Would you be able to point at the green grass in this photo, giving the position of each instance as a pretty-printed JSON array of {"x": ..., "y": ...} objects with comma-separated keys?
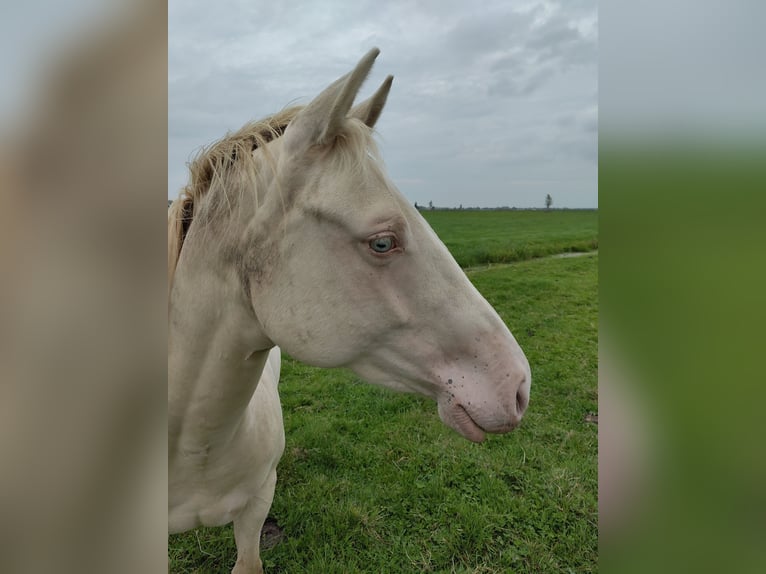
[
  {"x": 372, "y": 481},
  {"x": 484, "y": 237}
]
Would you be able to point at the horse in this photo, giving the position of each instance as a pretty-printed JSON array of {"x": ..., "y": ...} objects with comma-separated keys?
[{"x": 290, "y": 235}]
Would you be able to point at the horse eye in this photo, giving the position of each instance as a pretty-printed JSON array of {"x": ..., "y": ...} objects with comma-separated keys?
[{"x": 382, "y": 244}]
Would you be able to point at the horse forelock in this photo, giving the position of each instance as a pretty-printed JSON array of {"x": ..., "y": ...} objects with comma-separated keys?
[{"x": 352, "y": 144}]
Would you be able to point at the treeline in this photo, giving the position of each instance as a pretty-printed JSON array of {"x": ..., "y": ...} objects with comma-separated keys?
[{"x": 503, "y": 208}]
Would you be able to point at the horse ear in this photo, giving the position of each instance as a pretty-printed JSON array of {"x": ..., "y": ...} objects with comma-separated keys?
[
  {"x": 320, "y": 121},
  {"x": 369, "y": 110}
]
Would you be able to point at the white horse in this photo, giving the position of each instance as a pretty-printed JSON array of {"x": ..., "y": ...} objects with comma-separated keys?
[{"x": 291, "y": 235}]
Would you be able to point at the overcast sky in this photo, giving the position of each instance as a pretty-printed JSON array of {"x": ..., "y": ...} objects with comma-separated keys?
[{"x": 493, "y": 103}]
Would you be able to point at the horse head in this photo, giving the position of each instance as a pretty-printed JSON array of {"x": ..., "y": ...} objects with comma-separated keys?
[{"x": 341, "y": 271}]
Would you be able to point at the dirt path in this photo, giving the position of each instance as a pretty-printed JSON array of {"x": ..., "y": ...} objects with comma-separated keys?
[{"x": 566, "y": 255}]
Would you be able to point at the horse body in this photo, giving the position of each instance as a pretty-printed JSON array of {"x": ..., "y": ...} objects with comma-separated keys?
[{"x": 300, "y": 241}]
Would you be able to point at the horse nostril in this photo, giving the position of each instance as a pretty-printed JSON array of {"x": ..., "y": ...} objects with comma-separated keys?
[{"x": 521, "y": 402}]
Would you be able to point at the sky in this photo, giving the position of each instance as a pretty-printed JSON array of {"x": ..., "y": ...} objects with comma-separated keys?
[{"x": 493, "y": 103}]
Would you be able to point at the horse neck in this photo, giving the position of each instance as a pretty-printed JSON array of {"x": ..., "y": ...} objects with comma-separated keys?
[{"x": 216, "y": 350}]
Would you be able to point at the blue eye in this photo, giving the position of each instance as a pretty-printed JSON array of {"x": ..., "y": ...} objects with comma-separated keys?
[{"x": 382, "y": 244}]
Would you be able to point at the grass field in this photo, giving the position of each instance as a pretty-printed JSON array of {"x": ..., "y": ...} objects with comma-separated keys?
[
  {"x": 372, "y": 481},
  {"x": 483, "y": 237}
]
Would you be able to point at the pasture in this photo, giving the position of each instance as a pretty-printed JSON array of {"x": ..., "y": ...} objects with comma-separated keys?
[
  {"x": 487, "y": 237},
  {"x": 372, "y": 481}
]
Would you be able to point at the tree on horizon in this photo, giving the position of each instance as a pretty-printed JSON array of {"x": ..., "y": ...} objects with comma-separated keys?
[{"x": 548, "y": 201}]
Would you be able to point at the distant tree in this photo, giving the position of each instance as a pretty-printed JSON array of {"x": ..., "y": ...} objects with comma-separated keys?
[
  {"x": 416, "y": 205},
  {"x": 430, "y": 205},
  {"x": 548, "y": 201},
  {"x": 461, "y": 206}
]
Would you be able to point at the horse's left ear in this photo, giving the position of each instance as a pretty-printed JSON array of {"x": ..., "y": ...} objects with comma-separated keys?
[
  {"x": 320, "y": 122},
  {"x": 369, "y": 110}
]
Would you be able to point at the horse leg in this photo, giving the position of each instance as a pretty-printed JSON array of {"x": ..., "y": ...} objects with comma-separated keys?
[{"x": 247, "y": 529}]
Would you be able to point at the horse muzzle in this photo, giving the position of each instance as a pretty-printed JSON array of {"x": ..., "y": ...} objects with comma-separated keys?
[{"x": 473, "y": 415}]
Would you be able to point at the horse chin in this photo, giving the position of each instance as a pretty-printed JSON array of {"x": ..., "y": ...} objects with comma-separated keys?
[{"x": 456, "y": 417}]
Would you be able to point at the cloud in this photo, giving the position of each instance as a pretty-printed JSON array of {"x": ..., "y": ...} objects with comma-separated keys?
[{"x": 476, "y": 90}]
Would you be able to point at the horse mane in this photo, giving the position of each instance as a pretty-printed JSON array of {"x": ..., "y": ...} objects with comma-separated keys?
[{"x": 212, "y": 168}]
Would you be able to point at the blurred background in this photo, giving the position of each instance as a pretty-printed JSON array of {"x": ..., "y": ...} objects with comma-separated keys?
[
  {"x": 83, "y": 166},
  {"x": 682, "y": 154},
  {"x": 83, "y": 161}
]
